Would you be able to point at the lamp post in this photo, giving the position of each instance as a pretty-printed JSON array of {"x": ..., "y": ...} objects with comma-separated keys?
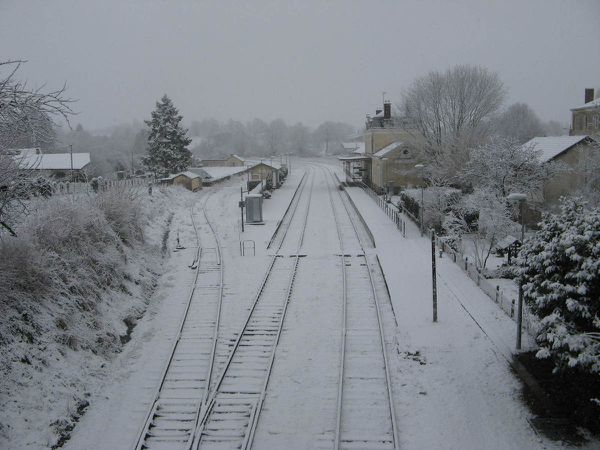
[
  {"x": 422, "y": 167},
  {"x": 383, "y": 167},
  {"x": 519, "y": 198}
]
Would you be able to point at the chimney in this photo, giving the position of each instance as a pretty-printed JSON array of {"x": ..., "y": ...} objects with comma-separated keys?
[
  {"x": 589, "y": 95},
  {"x": 387, "y": 110}
]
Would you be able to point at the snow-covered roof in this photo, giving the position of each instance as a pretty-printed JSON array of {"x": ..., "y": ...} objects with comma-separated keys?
[
  {"x": 354, "y": 147},
  {"x": 352, "y": 157},
  {"x": 589, "y": 105},
  {"x": 200, "y": 171},
  {"x": 238, "y": 157},
  {"x": 388, "y": 149},
  {"x": 53, "y": 161},
  {"x": 190, "y": 175},
  {"x": 552, "y": 146},
  {"x": 222, "y": 172},
  {"x": 507, "y": 242},
  {"x": 267, "y": 162}
]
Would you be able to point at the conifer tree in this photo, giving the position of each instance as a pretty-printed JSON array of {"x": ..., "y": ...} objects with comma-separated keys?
[{"x": 167, "y": 140}]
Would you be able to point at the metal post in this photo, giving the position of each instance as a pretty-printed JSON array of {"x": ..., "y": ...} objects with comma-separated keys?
[
  {"x": 242, "y": 206},
  {"x": 71, "y": 152},
  {"x": 520, "y": 304},
  {"x": 433, "y": 276},
  {"x": 422, "y": 196}
]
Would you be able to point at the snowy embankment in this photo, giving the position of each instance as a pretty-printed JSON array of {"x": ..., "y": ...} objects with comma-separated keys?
[{"x": 72, "y": 286}]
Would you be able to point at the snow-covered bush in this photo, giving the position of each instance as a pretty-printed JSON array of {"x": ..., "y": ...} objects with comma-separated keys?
[
  {"x": 483, "y": 220},
  {"x": 122, "y": 208},
  {"x": 560, "y": 269}
]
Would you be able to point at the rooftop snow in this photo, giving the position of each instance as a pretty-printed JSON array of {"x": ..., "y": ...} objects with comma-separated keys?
[
  {"x": 200, "y": 171},
  {"x": 386, "y": 150},
  {"x": 53, "y": 161},
  {"x": 217, "y": 173},
  {"x": 354, "y": 147},
  {"x": 552, "y": 146},
  {"x": 593, "y": 104}
]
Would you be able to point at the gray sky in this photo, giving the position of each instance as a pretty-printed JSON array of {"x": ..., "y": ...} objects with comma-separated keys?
[{"x": 303, "y": 60}]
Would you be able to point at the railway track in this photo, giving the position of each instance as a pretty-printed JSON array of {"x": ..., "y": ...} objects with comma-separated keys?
[
  {"x": 186, "y": 378},
  {"x": 230, "y": 416},
  {"x": 366, "y": 416}
]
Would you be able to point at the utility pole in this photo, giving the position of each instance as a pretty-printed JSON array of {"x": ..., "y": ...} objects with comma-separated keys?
[
  {"x": 71, "y": 152},
  {"x": 519, "y": 198},
  {"x": 242, "y": 206},
  {"x": 433, "y": 276}
]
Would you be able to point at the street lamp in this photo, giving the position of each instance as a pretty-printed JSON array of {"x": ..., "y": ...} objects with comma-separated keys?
[
  {"x": 383, "y": 167},
  {"x": 422, "y": 167},
  {"x": 519, "y": 198}
]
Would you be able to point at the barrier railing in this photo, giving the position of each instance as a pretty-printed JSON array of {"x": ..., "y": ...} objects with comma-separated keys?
[{"x": 66, "y": 187}]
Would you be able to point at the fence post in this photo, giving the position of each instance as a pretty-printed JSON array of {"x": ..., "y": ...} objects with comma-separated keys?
[
  {"x": 497, "y": 292},
  {"x": 466, "y": 263},
  {"x": 512, "y": 308}
]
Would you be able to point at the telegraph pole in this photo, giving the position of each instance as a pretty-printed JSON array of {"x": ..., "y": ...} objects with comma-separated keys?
[
  {"x": 71, "y": 152},
  {"x": 433, "y": 276},
  {"x": 242, "y": 206}
]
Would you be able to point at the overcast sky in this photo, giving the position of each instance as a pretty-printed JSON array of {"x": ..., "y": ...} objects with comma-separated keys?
[{"x": 300, "y": 60}]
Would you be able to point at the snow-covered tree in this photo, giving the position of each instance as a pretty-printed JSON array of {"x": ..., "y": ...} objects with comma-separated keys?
[
  {"x": 479, "y": 220},
  {"x": 560, "y": 271},
  {"x": 167, "y": 140},
  {"x": 589, "y": 169},
  {"x": 503, "y": 166}
]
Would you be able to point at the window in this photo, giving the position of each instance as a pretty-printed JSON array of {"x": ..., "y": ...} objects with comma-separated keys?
[{"x": 597, "y": 121}]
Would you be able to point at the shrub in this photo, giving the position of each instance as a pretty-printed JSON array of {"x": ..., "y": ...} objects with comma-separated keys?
[
  {"x": 122, "y": 209},
  {"x": 560, "y": 271}
]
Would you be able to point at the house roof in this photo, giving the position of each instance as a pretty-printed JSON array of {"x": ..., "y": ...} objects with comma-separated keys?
[
  {"x": 238, "y": 157},
  {"x": 388, "y": 149},
  {"x": 53, "y": 161},
  {"x": 589, "y": 105},
  {"x": 267, "y": 162},
  {"x": 353, "y": 158},
  {"x": 190, "y": 175},
  {"x": 552, "y": 146},
  {"x": 354, "y": 147},
  {"x": 200, "y": 171}
]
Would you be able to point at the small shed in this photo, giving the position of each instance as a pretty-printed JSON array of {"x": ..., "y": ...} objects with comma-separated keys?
[
  {"x": 507, "y": 246},
  {"x": 188, "y": 180},
  {"x": 254, "y": 208}
]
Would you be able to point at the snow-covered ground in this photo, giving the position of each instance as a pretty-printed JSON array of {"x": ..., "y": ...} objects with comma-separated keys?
[{"x": 452, "y": 382}]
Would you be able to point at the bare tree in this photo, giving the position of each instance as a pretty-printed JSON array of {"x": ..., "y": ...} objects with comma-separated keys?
[
  {"x": 24, "y": 113},
  {"x": 451, "y": 109},
  {"x": 520, "y": 123}
]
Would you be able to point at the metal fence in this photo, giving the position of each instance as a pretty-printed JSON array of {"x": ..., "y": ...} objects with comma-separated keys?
[
  {"x": 66, "y": 187},
  {"x": 507, "y": 302}
]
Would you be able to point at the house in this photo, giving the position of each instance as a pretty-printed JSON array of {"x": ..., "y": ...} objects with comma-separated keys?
[
  {"x": 585, "y": 119},
  {"x": 230, "y": 161},
  {"x": 264, "y": 171},
  {"x": 188, "y": 180},
  {"x": 571, "y": 151},
  {"x": 393, "y": 150},
  {"x": 53, "y": 165}
]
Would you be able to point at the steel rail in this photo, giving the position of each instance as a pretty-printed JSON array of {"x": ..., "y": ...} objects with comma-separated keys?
[
  {"x": 217, "y": 323},
  {"x": 344, "y": 333},
  {"x": 209, "y": 405},
  {"x": 141, "y": 436},
  {"x": 249, "y": 437}
]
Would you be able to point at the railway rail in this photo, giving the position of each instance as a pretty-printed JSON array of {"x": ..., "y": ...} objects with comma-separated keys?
[
  {"x": 230, "y": 416},
  {"x": 366, "y": 415},
  {"x": 186, "y": 378}
]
